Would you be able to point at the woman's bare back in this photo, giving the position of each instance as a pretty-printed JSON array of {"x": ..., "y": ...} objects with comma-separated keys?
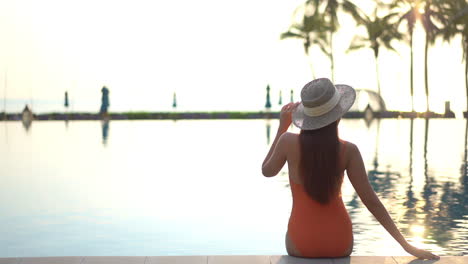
[{"x": 294, "y": 152}]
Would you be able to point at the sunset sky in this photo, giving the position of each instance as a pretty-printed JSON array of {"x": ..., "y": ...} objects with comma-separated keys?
[{"x": 217, "y": 55}]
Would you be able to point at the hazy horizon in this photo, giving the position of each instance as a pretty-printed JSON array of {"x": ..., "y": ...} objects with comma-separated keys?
[{"x": 215, "y": 55}]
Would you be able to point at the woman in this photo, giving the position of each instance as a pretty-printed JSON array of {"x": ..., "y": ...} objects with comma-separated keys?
[{"x": 319, "y": 225}]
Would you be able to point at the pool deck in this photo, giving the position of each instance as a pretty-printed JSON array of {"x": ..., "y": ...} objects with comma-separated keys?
[{"x": 276, "y": 259}]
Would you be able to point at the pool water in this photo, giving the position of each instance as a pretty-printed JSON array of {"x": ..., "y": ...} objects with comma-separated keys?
[{"x": 195, "y": 187}]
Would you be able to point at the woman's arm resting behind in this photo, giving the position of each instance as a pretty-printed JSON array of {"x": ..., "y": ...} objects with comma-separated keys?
[{"x": 358, "y": 176}]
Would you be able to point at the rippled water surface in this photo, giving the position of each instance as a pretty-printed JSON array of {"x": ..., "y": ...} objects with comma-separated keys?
[{"x": 195, "y": 187}]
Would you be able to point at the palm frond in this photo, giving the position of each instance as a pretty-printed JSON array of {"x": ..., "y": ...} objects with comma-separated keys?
[
  {"x": 354, "y": 47},
  {"x": 323, "y": 45},
  {"x": 289, "y": 34},
  {"x": 454, "y": 19},
  {"x": 387, "y": 18},
  {"x": 354, "y": 11},
  {"x": 410, "y": 18},
  {"x": 358, "y": 42}
]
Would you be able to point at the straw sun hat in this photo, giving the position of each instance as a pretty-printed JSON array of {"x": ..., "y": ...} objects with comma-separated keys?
[{"x": 322, "y": 103}]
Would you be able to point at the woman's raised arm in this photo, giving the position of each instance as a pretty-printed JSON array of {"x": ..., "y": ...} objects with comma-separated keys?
[
  {"x": 358, "y": 176},
  {"x": 276, "y": 157}
]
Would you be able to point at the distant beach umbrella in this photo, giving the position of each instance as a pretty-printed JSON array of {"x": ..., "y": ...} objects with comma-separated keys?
[
  {"x": 268, "y": 103},
  {"x": 292, "y": 95},
  {"x": 66, "y": 100},
  {"x": 104, "y": 100},
  {"x": 174, "y": 100},
  {"x": 280, "y": 102}
]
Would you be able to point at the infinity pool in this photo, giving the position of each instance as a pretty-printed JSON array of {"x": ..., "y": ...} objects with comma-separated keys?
[{"x": 87, "y": 188}]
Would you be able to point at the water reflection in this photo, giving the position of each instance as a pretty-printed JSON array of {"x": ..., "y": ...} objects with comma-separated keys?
[
  {"x": 424, "y": 190},
  {"x": 454, "y": 205},
  {"x": 464, "y": 162},
  {"x": 411, "y": 150},
  {"x": 411, "y": 200},
  {"x": 431, "y": 209},
  {"x": 105, "y": 131},
  {"x": 381, "y": 181},
  {"x": 268, "y": 132},
  {"x": 443, "y": 209},
  {"x": 26, "y": 124},
  {"x": 6, "y": 132}
]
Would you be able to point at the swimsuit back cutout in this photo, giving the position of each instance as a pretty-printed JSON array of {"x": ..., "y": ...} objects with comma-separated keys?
[{"x": 319, "y": 230}]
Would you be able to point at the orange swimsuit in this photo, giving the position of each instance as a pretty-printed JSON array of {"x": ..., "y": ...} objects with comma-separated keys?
[{"x": 319, "y": 230}]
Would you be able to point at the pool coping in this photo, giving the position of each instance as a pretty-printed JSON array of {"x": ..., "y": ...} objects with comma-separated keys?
[{"x": 229, "y": 259}]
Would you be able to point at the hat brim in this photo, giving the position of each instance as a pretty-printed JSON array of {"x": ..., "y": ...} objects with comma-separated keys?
[{"x": 305, "y": 122}]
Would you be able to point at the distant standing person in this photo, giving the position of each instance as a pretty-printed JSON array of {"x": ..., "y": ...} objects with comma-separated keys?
[
  {"x": 319, "y": 225},
  {"x": 104, "y": 101}
]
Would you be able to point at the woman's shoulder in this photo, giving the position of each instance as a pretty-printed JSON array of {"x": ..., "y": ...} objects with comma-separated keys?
[
  {"x": 349, "y": 148},
  {"x": 289, "y": 136},
  {"x": 348, "y": 144},
  {"x": 289, "y": 139}
]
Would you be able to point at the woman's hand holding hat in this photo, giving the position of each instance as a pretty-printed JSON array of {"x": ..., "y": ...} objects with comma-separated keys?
[{"x": 286, "y": 115}]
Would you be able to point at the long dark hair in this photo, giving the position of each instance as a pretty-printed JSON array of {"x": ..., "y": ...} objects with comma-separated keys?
[{"x": 319, "y": 162}]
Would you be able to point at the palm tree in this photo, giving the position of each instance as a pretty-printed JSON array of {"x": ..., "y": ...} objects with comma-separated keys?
[
  {"x": 312, "y": 30},
  {"x": 455, "y": 21},
  {"x": 428, "y": 18},
  {"x": 319, "y": 27},
  {"x": 330, "y": 15},
  {"x": 380, "y": 32},
  {"x": 409, "y": 16}
]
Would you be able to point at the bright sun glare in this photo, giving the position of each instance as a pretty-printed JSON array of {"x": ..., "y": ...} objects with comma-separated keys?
[{"x": 417, "y": 230}]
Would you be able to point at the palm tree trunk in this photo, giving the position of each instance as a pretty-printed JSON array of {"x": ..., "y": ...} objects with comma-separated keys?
[
  {"x": 331, "y": 58},
  {"x": 310, "y": 63},
  {"x": 307, "y": 52},
  {"x": 426, "y": 83},
  {"x": 411, "y": 73},
  {"x": 377, "y": 75},
  {"x": 312, "y": 69}
]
